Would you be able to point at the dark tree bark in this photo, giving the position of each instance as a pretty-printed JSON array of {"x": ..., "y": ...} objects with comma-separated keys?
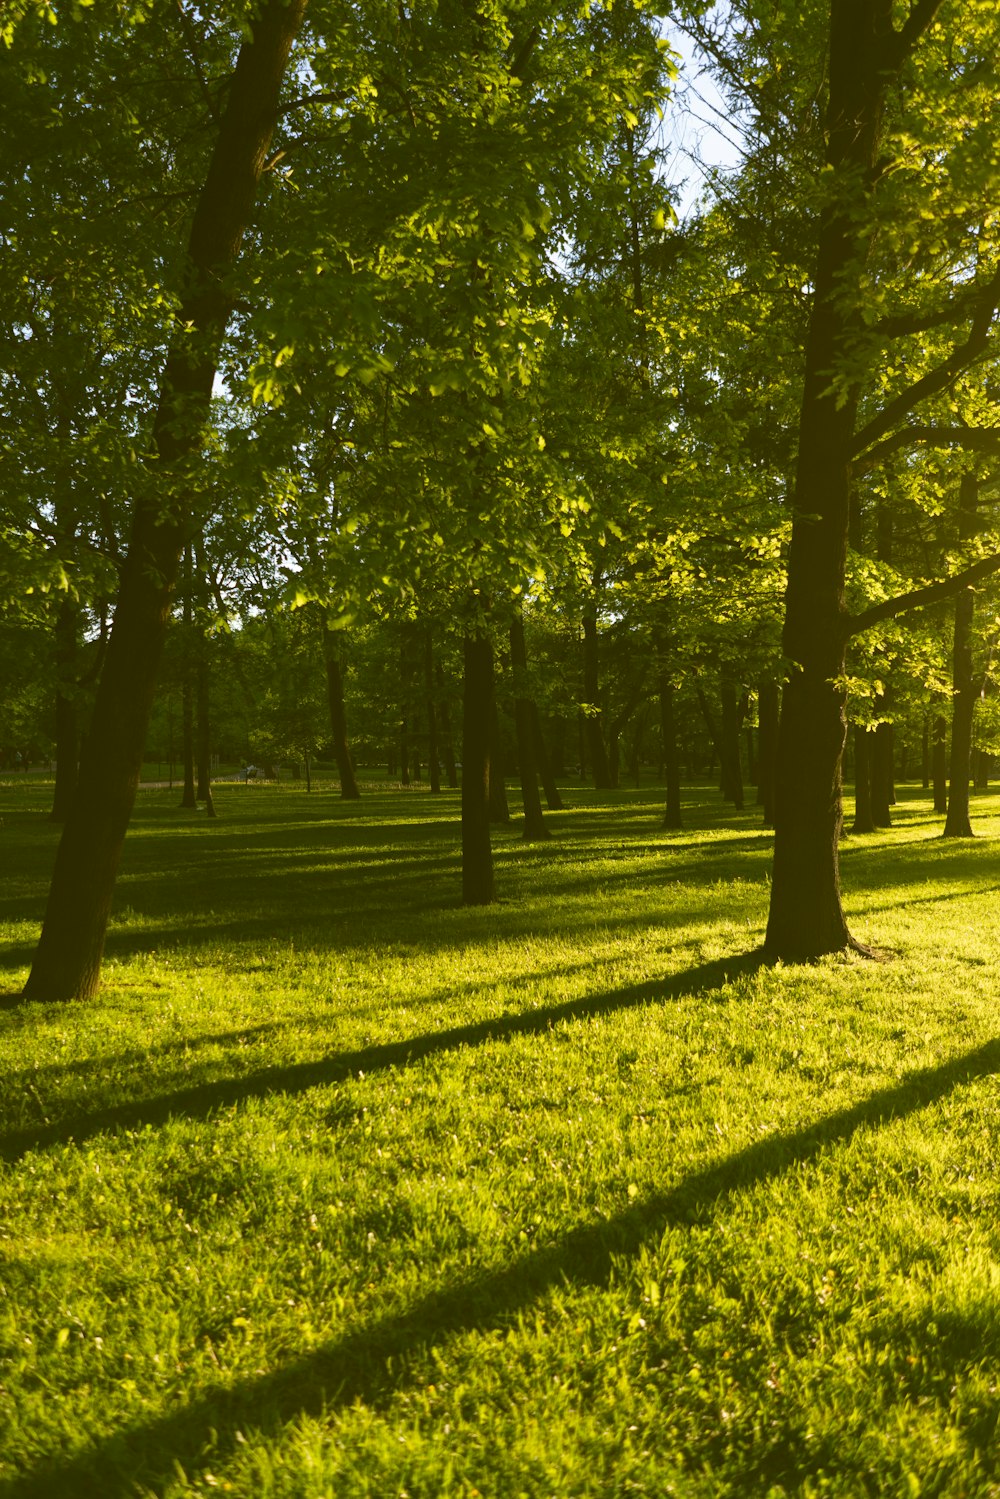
[
  {"x": 925, "y": 756},
  {"x": 958, "y": 823},
  {"x": 433, "y": 760},
  {"x": 477, "y": 708},
  {"x": 939, "y": 764},
  {"x": 67, "y": 712},
  {"x": 806, "y": 918},
  {"x": 68, "y": 960},
  {"x": 672, "y": 817},
  {"x": 593, "y": 720},
  {"x": 767, "y": 713},
  {"x": 524, "y": 723},
  {"x": 864, "y": 820},
  {"x": 349, "y": 789}
]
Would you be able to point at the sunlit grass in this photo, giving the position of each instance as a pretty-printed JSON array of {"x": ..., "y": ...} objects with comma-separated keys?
[{"x": 340, "y": 1189}]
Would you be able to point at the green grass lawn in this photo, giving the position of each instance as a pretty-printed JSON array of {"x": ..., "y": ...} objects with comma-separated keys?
[{"x": 339, "y": 1189}]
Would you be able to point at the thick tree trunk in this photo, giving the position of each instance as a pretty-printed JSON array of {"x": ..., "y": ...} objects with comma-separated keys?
[
  {"x": 767, "y": 713},
  {"x": 939, "y": 764},
  {"x": 593, "y": 719},
  {"x": 672, "y": 817},
  {"x": 477, "y": 708},
  {"x": 524, "y": 723},
  {"x": 864, "y": 820},
  {"x": 68, "y": 960},
  {"x": 349, "y": 789},
  {"x": 806, "y": 918},
  {"x": 67, "y": 713}
]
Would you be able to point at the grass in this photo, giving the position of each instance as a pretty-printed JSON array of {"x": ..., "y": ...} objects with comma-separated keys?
[{"x": 339, "y": 1189}]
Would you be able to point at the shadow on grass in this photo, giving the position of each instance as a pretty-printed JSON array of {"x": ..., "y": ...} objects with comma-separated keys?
[
  {"x": 370, "y": 1364},
  {"x": 201, "y": 1099}
]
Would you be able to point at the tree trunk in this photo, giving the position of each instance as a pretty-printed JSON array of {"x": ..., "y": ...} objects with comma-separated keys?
[
  {"x": 477, "y": 705},
  {"x": 593, "y": 719},
  {"x": 68, "y": 960},
  {"x": 925, "y": 756},
  {"x": 671, "y": 761},
  {"x": 349, "y": 789},
  {"x": 939, "y": 764},
  {"x": 806, "y": 918},
  {"x": 729, "y": 747},
  {"x": 67, "y": 713},
  {"x": 524, "y": 723},
  {"x": 767, "y": 713},
  {"x": 864, "y": 820}
]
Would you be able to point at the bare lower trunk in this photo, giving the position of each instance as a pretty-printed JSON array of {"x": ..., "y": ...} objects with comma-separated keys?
[
  {"x": 593, "y": 720},
  {"x": 204, "y": 737},
  {"x": 939, "y": 764}
]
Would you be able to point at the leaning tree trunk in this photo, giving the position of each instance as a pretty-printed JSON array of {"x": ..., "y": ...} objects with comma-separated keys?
[
  {"x": 958, "y": 823},
  {"x": 349, "y": 789},
  {"x": 68, "y": 960},
  {"x": 477, "y": 707},
  {"x": 671, "y": 761},
  {"x": 524, "y": 723}
]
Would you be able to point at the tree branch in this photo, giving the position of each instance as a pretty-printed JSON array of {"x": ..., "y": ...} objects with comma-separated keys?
[
  {"x": 919, "y": 598},
  {"x": 972, "y": 439}
]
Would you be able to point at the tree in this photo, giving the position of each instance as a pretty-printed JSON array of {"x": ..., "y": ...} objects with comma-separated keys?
[{"x": 68, "y": 960}]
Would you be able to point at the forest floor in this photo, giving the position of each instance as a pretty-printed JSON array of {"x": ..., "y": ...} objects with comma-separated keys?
[{"x": 339, "y": 1189}]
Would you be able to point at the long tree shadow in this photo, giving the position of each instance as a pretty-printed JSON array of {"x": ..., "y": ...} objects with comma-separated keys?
[
  {"x": 202, "y": 1099},
  {"x": 370, "y": 1363}
]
